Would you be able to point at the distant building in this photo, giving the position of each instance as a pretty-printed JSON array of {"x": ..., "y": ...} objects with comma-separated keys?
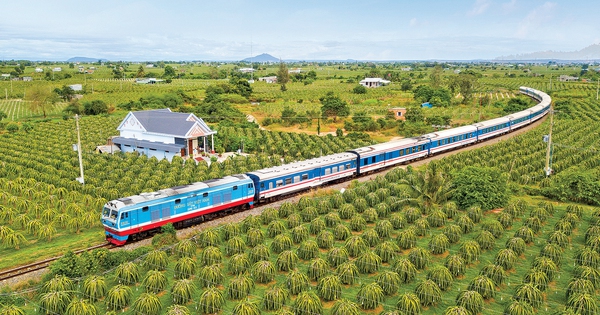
[
  {"x": 295, "y": 70},
  {"x": 399, "y": 113},
  {"x": 164, "y": 134},
  {"x": 39, "y": 70},
  {"x": 457, "y": 71},
  {"x": 272, "y": 79},
  {"x": 426, "y": 105},
  {"x": 57, "y": 69},
  {"x": 149, "y": 65},
  {"x": 406, "y": 69},
  {"x": 76, "y": 87},
  {"x": 5, "y": 76},
  {"x": 27, "y": 79},
  {"x": 374, "y": 82},
  {"x": 246, "y": 70},
  {"x": 567, "y": 78},
  {"x": 148, "y": 81}
]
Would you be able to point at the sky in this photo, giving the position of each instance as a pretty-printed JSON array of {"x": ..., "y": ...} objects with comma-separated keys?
[{"x": 230, "y": 30}]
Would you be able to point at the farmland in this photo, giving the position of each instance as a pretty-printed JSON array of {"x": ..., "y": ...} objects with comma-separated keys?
[{"x": 41, "y": 202}]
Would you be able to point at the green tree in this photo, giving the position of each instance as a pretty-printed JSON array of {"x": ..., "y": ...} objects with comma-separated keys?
[
  {"x": 415, "y": 114},
  {"x": 283, "y": 75},
  {"x": 140, "y": 73},
  {"x": 334, "y": 106},
  {"x": 41, "y": 99},
  {"x": 359, "y": 89},
  {"x": 435, "y": 77},
  {"x": 95, "y": 107},
  {"x": 169, "y": 72},
  {"x": 482, "y": 186}
]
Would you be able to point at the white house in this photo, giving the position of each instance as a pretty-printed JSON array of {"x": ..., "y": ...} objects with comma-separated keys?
[
  {"x": 567, "y": 78},
  {"x": 57, "y": 69},
  {"x": 295, "y": 70},
  {"x": 374, "y": 82},
  {"x": 76, "y": 87},
  {"x": 246, "y": 70},
  {"x": 148, "y": 81},
  {"x": 163, "y": 134},
  {"x": 272, "y": 79},
  {"x": 39, "y": 70}
]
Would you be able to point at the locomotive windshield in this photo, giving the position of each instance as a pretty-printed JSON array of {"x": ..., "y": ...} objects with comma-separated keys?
[{"x": 109, "y": 214}]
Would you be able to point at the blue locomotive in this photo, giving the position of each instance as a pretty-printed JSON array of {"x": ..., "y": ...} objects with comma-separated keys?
[{"x": 138, "y": 215}]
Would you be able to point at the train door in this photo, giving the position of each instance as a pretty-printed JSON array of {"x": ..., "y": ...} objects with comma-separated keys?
[{"x": 133, "y": 217}]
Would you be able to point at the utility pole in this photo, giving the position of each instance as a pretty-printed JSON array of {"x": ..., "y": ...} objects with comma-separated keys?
[
  {"x": 549, "y": 149},
  {"x": 80, "y": 179},
  {"x": 597, "y": 88}
]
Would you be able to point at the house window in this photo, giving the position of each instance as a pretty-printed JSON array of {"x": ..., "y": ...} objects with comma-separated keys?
[{"x": 399, "y": 113}]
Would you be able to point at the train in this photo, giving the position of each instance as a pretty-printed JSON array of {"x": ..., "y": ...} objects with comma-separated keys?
[{"x": 137, "y": 216}]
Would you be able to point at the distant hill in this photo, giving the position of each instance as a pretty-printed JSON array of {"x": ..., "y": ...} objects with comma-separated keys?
[
  {"x": 591, "y": 52},
  {"x": 262, "y": 58},
  {"x": 85, "y": 59}
]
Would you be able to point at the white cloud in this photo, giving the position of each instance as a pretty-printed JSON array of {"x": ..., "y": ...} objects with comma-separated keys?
[
  {"x": 535, "y": 19},
  {"x": 479, "y": 7}
]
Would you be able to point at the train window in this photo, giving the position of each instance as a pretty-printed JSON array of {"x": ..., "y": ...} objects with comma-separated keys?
[
  {"x": 177, "y": 201},
  {"x": 249, "y": 185},
  {"x": 347, "y": 166},
  {"x": 235, "y": 187},
  {"x": 334, "y": 169},
  {"x": 288, "y": 181},
  {"x": 420, "y": 148},
  {"x": 271, "y": 185},
  {"x": 205, "y": 195},
  {"x": 296, "y": 179},
  {"x": 327, "y": 171},
  {"x": 372, "y": 159},
  {"x": 145, "y": 209},
  {"x": 365, "y": 161},
  {"x": 304, "y": 176},
  {"x": 279, "y": 183},
  {"x": 124, "y": 215}
]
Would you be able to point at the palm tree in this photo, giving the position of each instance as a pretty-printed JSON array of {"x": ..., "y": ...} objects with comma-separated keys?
[
  {"x": 55, "y": 302},
  {"x": 128, "y": 273},
  {"x": 470, "y": 251},
  {"x": 368, "y": 262},
  {"x": 81, "y": 307},
  {"x": 441, "y": 276},
  {"x": 428, "y": 188},
  {"x": 429, "y": 292},
  {"x": 210, "y": 276},
  {"x": 296, "y": 282},
  {"x": 308, "y": 303},
  {"x": 484, "y": 286},
  {"x": 345, "y": 307},
  {"x": 156, "y": 260},
  {"x": 287, "y": 260},
  {"x": 329, "y": 287},
  {"x": 584, "y": 304},
  {"x": 155, "y": 281},
  {"x": 419, "y": 257},
  {"x": 211, "y": 301},
  {"x": 471, "y": 301},
  {"x": 178, "y": 310},
  {"x": 185, "y": 268},
  {"x": 579, "y": 286},
  {"x": 274, "y": 298},
  {"x": 118, "y": 297},
  {"x": 519, "y": 308},
  {"x": 405, "y": 269},
  {"x": 494, "y": 272},
  {"x": 409, "y": 304},
  {"x": 182, "y": 291},
  {"x": 210, "y": 255},
  {"x": 456, "y": 265},
  {"x": 529, "y": 293},
  {"x": 337, "y": 256},
  {"x": 94, "y": 288},
  {"x": 389, "y": 282},
  {"x": 439, "y": 244}
]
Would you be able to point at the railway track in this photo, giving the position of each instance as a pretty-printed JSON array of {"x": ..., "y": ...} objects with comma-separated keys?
[{"x": 22, "y": 270}]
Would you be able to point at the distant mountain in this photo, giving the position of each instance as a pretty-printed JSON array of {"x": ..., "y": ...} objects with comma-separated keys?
[
  {"x": 591, "y": 52},
  {"x": 85, "y": 59},
  {"x": 262, "y": 58}
]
